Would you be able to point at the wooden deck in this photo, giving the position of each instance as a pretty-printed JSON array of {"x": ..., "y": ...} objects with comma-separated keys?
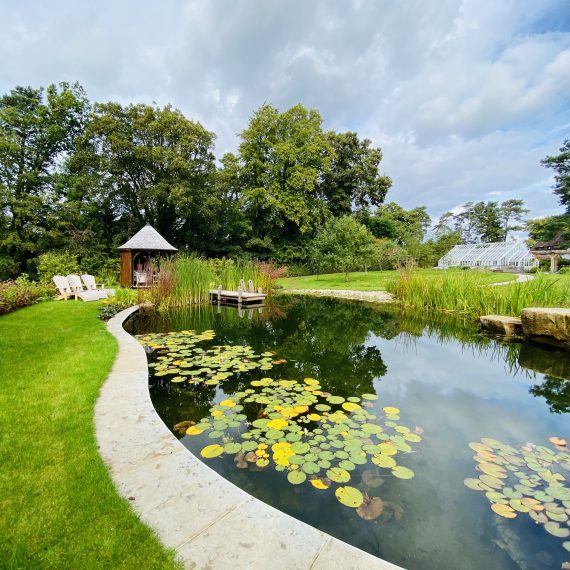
[{"x": 236, "y": 297}]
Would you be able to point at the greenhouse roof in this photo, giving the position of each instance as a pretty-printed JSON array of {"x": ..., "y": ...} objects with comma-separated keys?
[{"x": 488, "y": 254}]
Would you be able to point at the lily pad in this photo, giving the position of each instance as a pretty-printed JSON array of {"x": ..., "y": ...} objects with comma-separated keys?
[
  {"x": 296, "y": 477},
  {"x": 349, "y": 496},
  {"x": 211, "y": 451}
]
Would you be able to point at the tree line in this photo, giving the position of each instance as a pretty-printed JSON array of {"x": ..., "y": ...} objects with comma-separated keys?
[{"x": 83, "y": 177}]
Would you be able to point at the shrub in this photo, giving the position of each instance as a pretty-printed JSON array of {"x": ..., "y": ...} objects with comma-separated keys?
[
  {"x": 56, "y": 263},
  {"x": 21, "y": 292}
]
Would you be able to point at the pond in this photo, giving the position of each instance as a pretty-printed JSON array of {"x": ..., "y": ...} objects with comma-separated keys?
[{"x": 452, "y": 441}]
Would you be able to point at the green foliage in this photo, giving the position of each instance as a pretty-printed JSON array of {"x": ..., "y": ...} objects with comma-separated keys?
[
  {"x": 21, "y": 292},
  {"x": 188, "y": 279},
  {"x": 56, "y": 263},
  {"x": 560, "y": 163},
  {"x": 153, "y": 165},
  {"x": 343, "y": 244},
  {"x": 483, "y": 221},
  {"x": 462, "y": 291},
  {"x": 393, "y": 222},
  {"x": 354, "y": 178},
  {"x": 550, "y": 228},
  {"x": 282, "y": 157},
  {"x": 37, "y": 131}
]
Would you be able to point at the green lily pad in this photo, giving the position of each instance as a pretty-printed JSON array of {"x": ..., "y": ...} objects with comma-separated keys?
[
  {"x": 296, "y": 477},
  {"x": 349, "y": 496},
  {"x": 338, "y": 475}
]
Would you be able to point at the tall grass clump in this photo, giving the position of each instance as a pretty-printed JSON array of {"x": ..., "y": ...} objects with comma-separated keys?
[
  {"x": 187, "y": 279},
  {"x": 464, "y": 292}
]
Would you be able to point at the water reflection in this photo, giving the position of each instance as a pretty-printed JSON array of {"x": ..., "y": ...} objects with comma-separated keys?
[{"x": 446, "y": 377}]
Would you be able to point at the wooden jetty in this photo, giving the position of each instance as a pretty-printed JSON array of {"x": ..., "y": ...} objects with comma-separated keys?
[{"x": 239, "y": 297}]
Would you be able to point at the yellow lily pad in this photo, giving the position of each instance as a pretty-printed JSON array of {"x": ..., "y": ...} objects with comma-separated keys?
[{"x": 212, "y": 451}]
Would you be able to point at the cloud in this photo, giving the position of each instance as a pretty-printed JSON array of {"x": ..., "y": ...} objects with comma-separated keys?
[{"x": 464, "y": 97}]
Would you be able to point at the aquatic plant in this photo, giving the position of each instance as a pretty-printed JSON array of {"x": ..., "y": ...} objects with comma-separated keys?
[
  {"x": 466, "y": 292},
  {"x": 187, "y": 279},
  {"x": 311, "y": 435},
  {"x": 531, "y": 480},
  {"x": 180, "y": 358}
]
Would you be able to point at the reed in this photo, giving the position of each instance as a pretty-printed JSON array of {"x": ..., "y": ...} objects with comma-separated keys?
[
  {"x": 187, "y": 279},
  {"x": 464, "y": 292}
]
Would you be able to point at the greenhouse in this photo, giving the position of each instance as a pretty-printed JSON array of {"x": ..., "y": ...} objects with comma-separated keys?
[{"x": 512, "y": 255}]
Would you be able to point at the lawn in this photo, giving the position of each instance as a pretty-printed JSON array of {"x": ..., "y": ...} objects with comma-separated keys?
[
  {"x": 59, "y": 506},
  {"x": 374, "y": 280}
]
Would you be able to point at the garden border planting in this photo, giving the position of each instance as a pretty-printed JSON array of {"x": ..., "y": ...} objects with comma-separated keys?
[{"x": 208, "y": 521}]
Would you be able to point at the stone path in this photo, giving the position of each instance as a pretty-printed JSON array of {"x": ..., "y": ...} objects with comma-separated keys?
[
  {"x": 370, "y": 296},
  {"x": 522, "y": 278},
  {"x": 210, "y": 522}
]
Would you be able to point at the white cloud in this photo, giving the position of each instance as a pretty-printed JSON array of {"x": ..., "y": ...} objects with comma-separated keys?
[{"x": 464, "y": 97}]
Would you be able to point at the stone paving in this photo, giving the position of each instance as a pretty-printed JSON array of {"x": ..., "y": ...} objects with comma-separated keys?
[
  {"x": 370, "y": 296},
  {"x": 210, "y": 522}
]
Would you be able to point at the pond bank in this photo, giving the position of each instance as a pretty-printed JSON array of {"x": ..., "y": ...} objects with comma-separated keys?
[
  {"x": 370, "y": 296},
  {"x": 208, "y": 521}
]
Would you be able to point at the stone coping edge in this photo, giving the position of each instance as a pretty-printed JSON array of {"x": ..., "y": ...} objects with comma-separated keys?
[{"x": 209, "y": 521}]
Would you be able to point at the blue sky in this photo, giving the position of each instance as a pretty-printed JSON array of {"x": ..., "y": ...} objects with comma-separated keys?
[{"x": 463, "y": 97}]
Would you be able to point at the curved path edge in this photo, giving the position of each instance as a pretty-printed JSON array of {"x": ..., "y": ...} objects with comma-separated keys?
[{"x": 210, "y": 522}]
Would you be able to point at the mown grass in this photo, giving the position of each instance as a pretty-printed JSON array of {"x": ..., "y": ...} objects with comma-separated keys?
[
  {"x": 378, "y": 280},
  {"x": 59, "y": 508},
  {"x": 465, "y": 293}
]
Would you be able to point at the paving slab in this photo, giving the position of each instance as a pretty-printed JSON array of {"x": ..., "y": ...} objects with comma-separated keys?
[{"x": 210, "y": 522}]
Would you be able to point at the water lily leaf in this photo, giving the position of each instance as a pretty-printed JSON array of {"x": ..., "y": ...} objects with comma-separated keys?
[
  {"x": 503, "y": 511},
  {"x": 350, "y": 406},
  {"x": 300, "y": 447},
  {"x": 538, "y": 517},
  {"x": 517, "y": 505},
  {"x": 348, "y": 465},
  {"x": 296, "y": 477},
  {"x": 496, "y": 497},
  {"x": 193, "y": 430},
  {"x": 369, "y": 397},
  {"x": 320, "y": 483},
  {"x": 371, "y": 508},
  {"x": 402, "y": 472},
  {"x": 413, "y": 437},
  {"x": 556, "y": 530},
  {"x": 558, "y": 441},
  {"x": 263, "y": 462},
  {"x": 492, "y": 469},
  {"x": 384, "y": 461},
  {"x": 532, "y": 504},
  {"x": 309, "y": 467},
  {"x": 335, "y": 400},
  {"x": 349, "y": 496},
  {"x": 232, "y": 447},
  {"x": 338, "y": 475},
  {"x": 249, "y": 445},
  {"x": 391, "y": 411},
  {"x": 211, "y": 451}
]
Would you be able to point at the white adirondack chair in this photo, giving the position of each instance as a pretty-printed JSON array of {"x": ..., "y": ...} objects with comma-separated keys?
[
  {"x": 77, "y": 290},
  {"x": 62, "y": 286},
  {"x": 91, "y": 285}
]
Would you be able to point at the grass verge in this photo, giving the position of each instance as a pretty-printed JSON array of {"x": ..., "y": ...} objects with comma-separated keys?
[
  {"x": 379, "y": 280},
  {"x": 59, "y": 506}
]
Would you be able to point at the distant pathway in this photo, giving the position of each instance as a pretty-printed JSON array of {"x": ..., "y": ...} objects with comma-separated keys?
[
  {"x": 370, "y": 296},
  {"x": 522, "y": 278}
]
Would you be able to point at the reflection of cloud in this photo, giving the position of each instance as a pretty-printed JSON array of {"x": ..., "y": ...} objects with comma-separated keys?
[{"x": 465, "y": 98}]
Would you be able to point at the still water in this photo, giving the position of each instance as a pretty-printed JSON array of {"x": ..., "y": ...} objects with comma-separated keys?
[{"x": 454, "y": 384}]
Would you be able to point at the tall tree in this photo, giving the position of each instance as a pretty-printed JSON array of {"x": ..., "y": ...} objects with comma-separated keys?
[
  {"x": 512, "y": 211},
  {"x": 38, "y": 129},
  {"x": 148, "y": 164},
  {"x": 354, "y": 179},
  {"x": 283, "y": 156},
  {"x": 560, "y": 163}
]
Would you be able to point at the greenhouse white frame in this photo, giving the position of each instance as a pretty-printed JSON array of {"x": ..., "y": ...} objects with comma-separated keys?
[{"x": 490, "y": 255}]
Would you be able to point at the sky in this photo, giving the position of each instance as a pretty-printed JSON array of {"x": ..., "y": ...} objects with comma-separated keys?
[{"x": 463, "y": 97}]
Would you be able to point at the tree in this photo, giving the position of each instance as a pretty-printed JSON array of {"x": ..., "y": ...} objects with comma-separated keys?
[
  {"x": 354, "y": 178},
  {"x": 487, "y": 221},
  {"x": 560, "y": 163},
  {"x": 512, "y": 211},
  {"x": 282, "y": 157},
  {"x": 146, "y": 164},
  {"x": 343, "y": 244},
  {"x": 38, "y": 130},
  {"x": 391, "y": 221}
]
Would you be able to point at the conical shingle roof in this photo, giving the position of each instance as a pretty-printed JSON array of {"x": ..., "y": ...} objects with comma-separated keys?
[{"x": 149, "y": 240}]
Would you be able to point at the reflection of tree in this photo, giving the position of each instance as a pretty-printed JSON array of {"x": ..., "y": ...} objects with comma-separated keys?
[{"x": 556, "y": 391}]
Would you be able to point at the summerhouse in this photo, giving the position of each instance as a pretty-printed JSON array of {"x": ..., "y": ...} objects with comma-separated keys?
[
  {"x": 500, "y": 255},
  {"x": 137, "y": 255}
]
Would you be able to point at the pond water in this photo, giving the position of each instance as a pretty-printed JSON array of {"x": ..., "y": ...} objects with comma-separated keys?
[{"x": 448, "y": 382}]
